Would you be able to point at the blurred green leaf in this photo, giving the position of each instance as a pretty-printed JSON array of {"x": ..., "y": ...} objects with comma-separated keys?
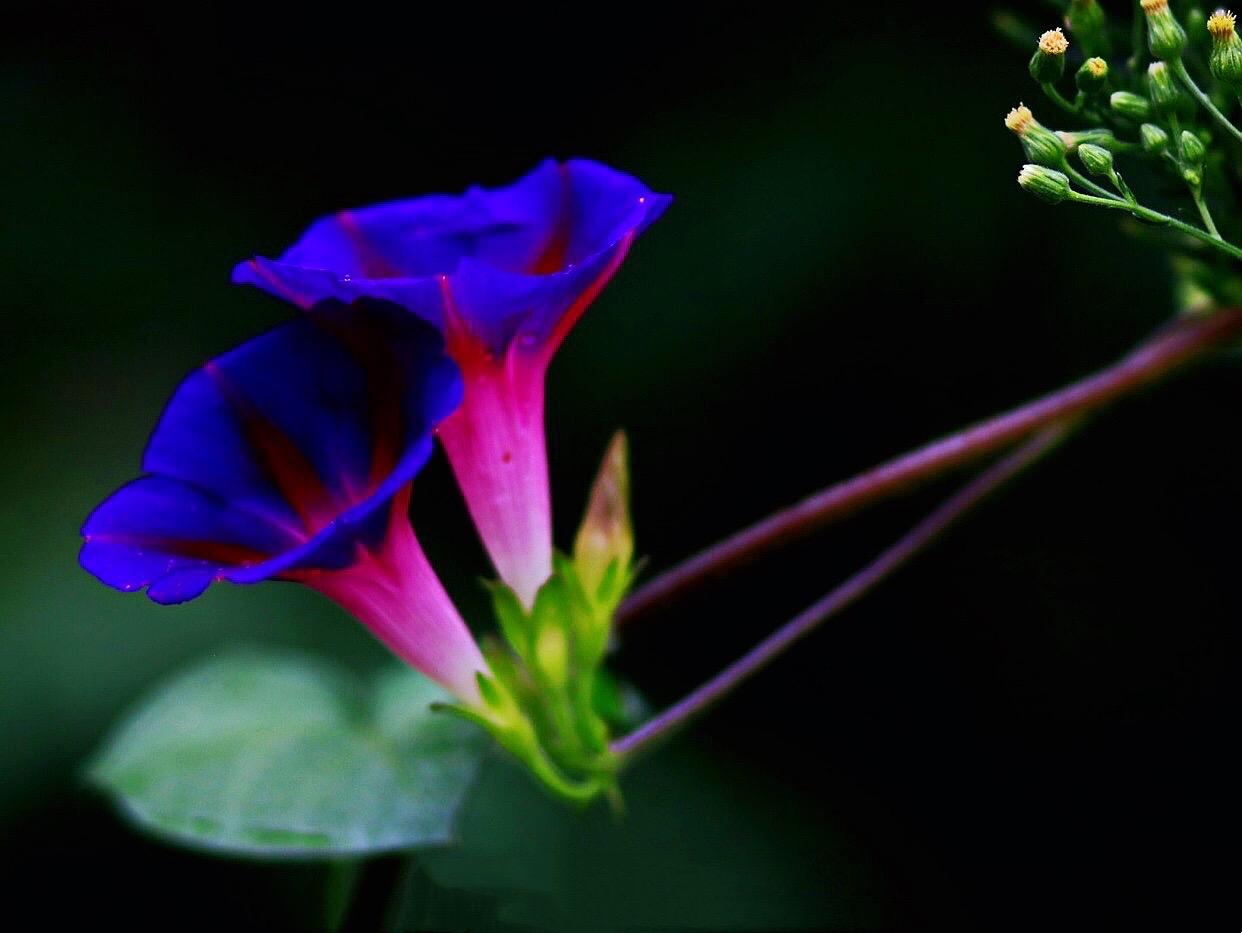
[{"x": 285, "y": 756}]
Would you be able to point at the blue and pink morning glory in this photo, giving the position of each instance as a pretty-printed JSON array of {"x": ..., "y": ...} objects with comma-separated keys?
[
  {"x": 504, "y": 274},
  {"x": 292, "y": 456}
]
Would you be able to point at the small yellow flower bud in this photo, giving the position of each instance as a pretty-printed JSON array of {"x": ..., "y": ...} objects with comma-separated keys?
[
  {"x": 1019, "y": 118},
  {"x": 1041, "y": 145},
  {"x": 1225, "y": 59},
  {"x": 1092, "y": 76},
  {"x": 1221, "y": 24},
  {"x": 1048, "y": 62}
]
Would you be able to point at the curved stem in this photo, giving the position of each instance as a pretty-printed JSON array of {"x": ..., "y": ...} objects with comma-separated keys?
[
  {"x": 1163, "y": 219},
  {"x": 1179, "y": 69},
  {"x": 1087, "y": 183},
  {"x": 1165, "y": 350},
  {"x": 1057, "y": 98},
  {"x": 1196, "y": 194},
  {"x": 852, "y": 589}
]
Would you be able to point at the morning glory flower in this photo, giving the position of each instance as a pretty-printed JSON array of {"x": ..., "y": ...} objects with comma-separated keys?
[
  {"x": 291, "y": 458},
  {"x": 504, "y": 274}
]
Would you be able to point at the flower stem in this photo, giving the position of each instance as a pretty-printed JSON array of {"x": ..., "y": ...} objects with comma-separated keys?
[
  {"x": 1146, "y": 213},
  {"x": 1165, "y": 350},
  {"x": 1196, "y": 193},
  {"x": 1087, "y": 183},
  {"x": 1179, "y": 69},
  {"x": 1057, "y": 98},
  {"x": 844, "y": 595}
]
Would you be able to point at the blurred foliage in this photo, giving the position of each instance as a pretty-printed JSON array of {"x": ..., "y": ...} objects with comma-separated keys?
[
  {"x": 285, "y": 757},
  {"x": 1031, "y": 720}
]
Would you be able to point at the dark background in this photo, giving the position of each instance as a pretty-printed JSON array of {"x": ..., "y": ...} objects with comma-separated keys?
[{"x": 1029, "y": 725}]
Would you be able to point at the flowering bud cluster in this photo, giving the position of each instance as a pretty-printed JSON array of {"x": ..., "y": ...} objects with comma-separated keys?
[{"x": 1145, "y": 106}]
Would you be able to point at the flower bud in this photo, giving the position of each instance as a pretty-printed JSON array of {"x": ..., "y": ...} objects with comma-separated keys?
[
  {"x": 1096, "y": 159},
  {"x": 1099, "y": 135},
  {"x": 1044, "y": 183},
  {"x": 1165, "y": 36},
  {"x": 1133, "y": 106},
  {"x": 1226, "y": 57},
  {"x": 1041, "y": 145},
  {"x": 604, "y": 546},
  {"x": 1154, "y": 139},
  {"x": 1163, "y": 90},
  {"x": 1087, "y": 22},
  {"x": 1192, "y": 149},
  {"x": 1048, "y": 62},
  {"x": 1092, "y": 76}
]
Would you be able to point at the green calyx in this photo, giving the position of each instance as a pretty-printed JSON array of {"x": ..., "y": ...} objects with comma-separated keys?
[
  {"x": 1165, "y": 36},
  {"x": 1092, "y": 76},
  {"x": 549, "y": 701}
]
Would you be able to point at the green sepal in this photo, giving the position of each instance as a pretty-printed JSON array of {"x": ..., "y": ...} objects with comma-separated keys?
[{"x": 511, "y": 617}]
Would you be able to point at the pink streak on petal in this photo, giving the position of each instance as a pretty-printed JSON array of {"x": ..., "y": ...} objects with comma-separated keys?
[
  {"x": 495, "y": 443},
  {"x": 583, "y": 301},
  {"x": 279, "y": 458},
  {"x": 374, "y": 266},
  {"x": 552, "y": 256},
  {"x": 280, "y": 286},
  {"x": 396, "y": 594}
]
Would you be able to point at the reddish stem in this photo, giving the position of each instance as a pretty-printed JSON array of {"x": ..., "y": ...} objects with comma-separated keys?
[
  {"x": 1165, "y": 350},
  {"x": 852, "y": 589}
]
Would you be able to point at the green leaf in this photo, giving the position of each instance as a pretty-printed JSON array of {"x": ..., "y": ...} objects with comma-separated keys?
[{"x": 285, "y": 756}]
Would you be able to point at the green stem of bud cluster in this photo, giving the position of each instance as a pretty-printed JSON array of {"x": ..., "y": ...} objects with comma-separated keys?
[
  {"x": 548, "y": 699},
  {"x": 1054, "y": 187}
]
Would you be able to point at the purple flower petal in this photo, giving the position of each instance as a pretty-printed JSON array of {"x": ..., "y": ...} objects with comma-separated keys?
[
  {"x": 524, "y": 253},
  {"x": 279, "y": 456}
]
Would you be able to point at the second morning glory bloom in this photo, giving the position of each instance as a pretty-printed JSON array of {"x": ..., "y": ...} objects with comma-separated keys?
[
  {"x": 504, "y": 274},
  {"x": 291, "y": 458}
]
